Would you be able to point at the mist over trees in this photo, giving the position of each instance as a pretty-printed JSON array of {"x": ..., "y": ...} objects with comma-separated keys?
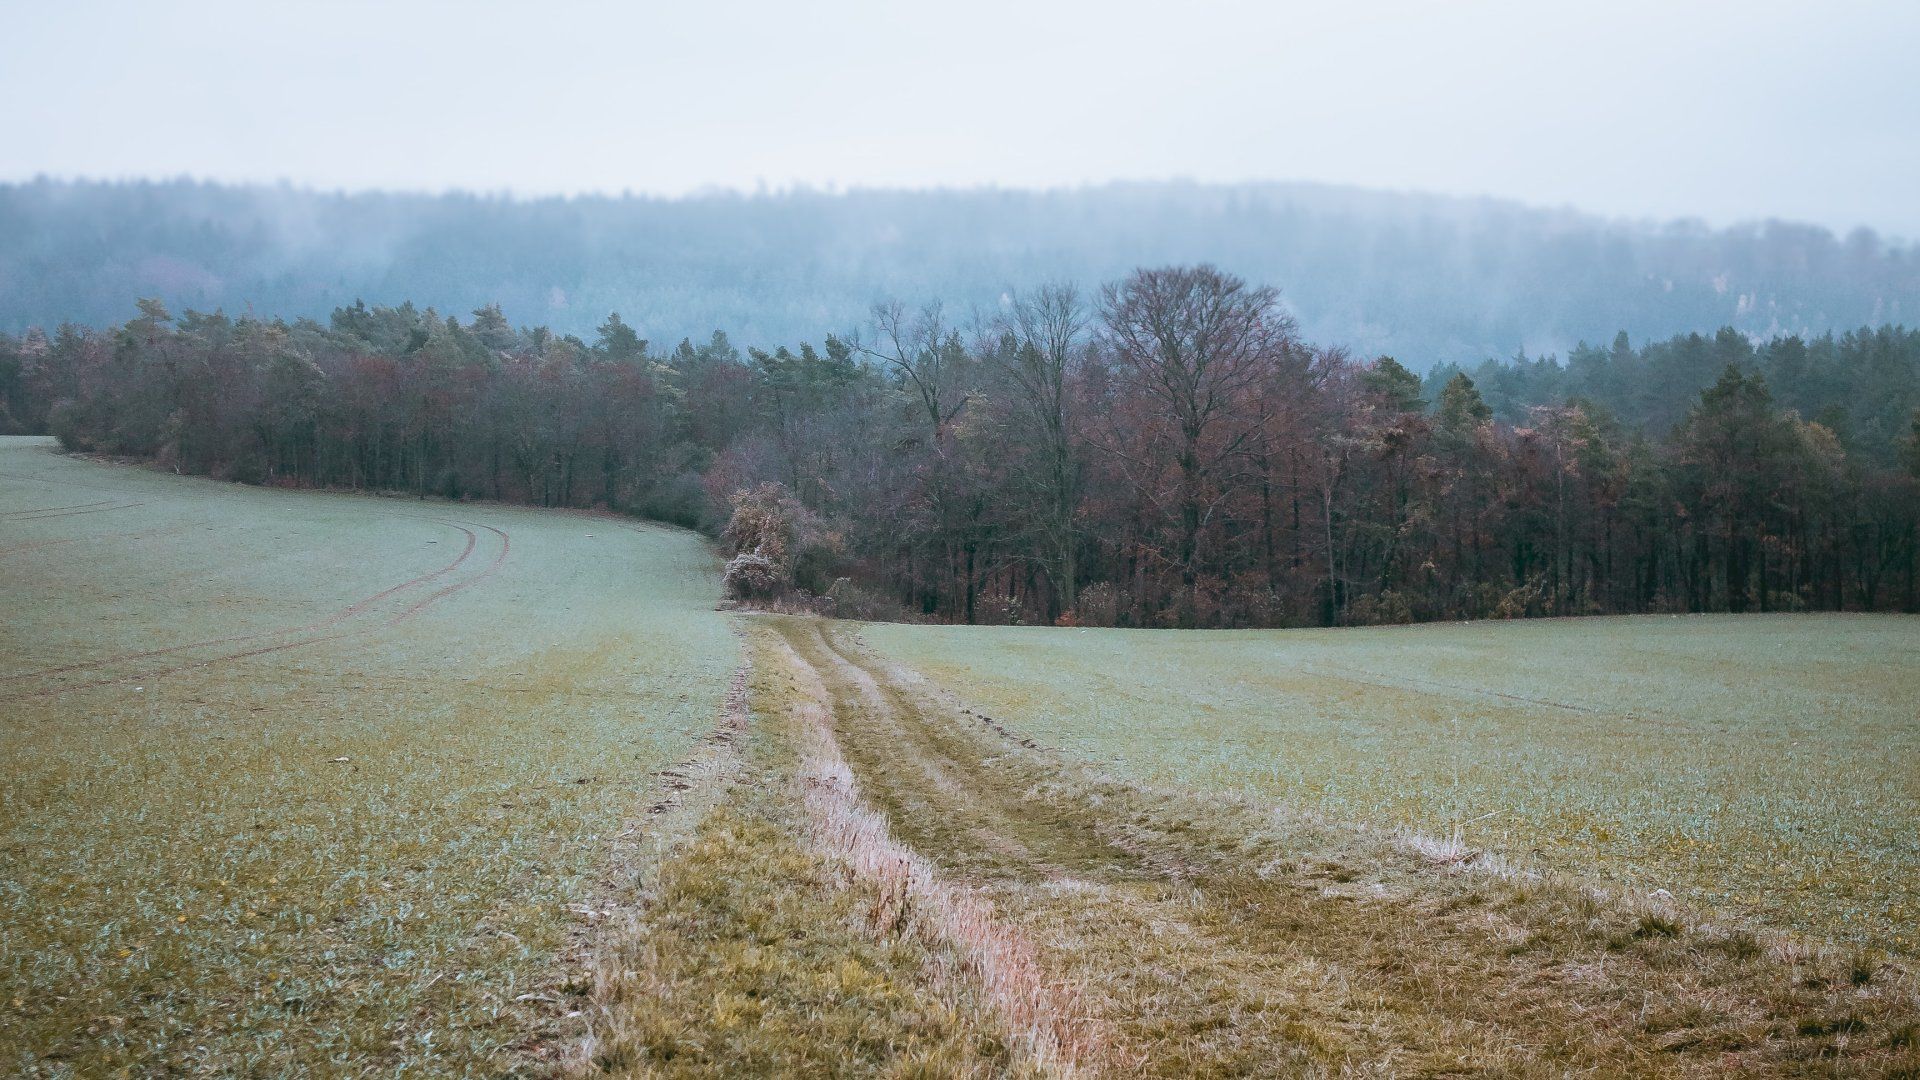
[
  {"x": 1168, "y": 449},
  {"x": 1427, "y": 280}
]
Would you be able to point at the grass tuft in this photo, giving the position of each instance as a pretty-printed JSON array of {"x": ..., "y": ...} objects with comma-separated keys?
[{"x": 1656, "y": 926}]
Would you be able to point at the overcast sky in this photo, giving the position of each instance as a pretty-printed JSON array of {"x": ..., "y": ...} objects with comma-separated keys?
[{"x": 1724, "y": 111}]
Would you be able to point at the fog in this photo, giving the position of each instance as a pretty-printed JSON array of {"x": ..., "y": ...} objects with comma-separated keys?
[
  {"x": 1719, "y": 111},
  {"x": 1426, "y": 279},
  {"x": 1443, "y": 182}
]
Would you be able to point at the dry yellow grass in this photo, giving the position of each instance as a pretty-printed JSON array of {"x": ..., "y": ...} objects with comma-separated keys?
[
  {"x": 357, "y": 848},
  {"x": 771, "y": 942}
]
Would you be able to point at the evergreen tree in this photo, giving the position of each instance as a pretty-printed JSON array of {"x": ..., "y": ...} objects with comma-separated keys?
[{"x": 619, "y": 342}]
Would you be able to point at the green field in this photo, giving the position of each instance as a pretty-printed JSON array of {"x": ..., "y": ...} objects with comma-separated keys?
[
  {"x": 295, "y": 780},
  {"x": 1760, "y": 764},
  {"x": 298, "y": 783}
]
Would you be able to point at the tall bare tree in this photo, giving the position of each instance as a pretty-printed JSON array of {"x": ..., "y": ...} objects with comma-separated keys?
[
  {"x": 1043, "y": 334},
  {"x": 925, "y": 354},
  {"x": 1193, "y": 343}
]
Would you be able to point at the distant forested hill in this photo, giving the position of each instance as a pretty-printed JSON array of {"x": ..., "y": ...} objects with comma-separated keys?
[{"x": 1429, "y": 280}]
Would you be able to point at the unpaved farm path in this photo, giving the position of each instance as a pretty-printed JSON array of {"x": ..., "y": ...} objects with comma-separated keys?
[{"x": 1159, "y": 933}]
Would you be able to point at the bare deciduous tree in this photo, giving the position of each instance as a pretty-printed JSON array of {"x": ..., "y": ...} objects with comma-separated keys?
[
  {"x": 1194, "y": 344},
  {"x": 1043, "y": 334},
  {"x": 925, "y": 354}
]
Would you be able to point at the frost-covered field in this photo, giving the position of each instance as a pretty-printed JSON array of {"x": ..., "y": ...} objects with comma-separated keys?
[
  {"x": 297, "y": 783},
  {"x": 292, "y": 781},
  {"x": 1763, "y": 764}
]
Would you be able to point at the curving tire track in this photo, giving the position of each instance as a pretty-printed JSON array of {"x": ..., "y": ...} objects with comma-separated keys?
[
  {"x": 323, "y": 624},
  {"x": 50, "y": 509},
  {"x": 506, "y": 545},
  {"x": 67, "y": 511},
  {"x": 492, "y": 568},
  {"x": 1363, "y": 677}
]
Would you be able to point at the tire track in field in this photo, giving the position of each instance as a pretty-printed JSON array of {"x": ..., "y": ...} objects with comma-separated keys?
[
  {"x": 1058, "y": 876},
  {"x": 323, "y": 624},
  {"x": 1216, "y": 938},
  {"x": 41, "y": 515},
  {"x": 1414, "y": 684},
  {"x": 50, "y": 509},
  {"x": 334, "y": 620},
  {"x": 66, "y": 482},
  {"x": 1045, "y": 1018},
  {"x": 1400, "y": 682},
  {"x": 506, "y": 545}
]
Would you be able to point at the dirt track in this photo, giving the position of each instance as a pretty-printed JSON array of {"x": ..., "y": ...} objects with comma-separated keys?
[{"x": 1222, "y": 939}]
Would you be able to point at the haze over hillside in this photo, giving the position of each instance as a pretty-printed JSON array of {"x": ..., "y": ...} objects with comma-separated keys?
[{"x": 1427, "y": 279}]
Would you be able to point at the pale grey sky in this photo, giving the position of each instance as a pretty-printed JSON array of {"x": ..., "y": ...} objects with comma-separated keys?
[{"x": 1719, "y": 110}]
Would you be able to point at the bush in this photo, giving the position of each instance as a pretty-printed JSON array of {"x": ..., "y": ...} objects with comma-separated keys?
[
  {"x": 1527, "y": 600},
  {"x": 1781, "y": 600},
  {"x": 1387, "y": 608},
  {"x": 772, "y": 526},
  {"x": 854, "y": 601},
  {"x": 752, "y": 576},
  {"x": 1482, "y": 600},
  {"x": 1252, "y": 603},
  {"x": 1004, "y": 610},
  {"x": 1098, "y": 605}
]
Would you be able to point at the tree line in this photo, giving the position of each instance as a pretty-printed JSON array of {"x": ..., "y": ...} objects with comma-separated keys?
[{"x": 1164, "y": 451}]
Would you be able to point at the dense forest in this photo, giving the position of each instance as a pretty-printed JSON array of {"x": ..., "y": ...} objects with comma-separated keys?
[
  {"x": 1168, "y": 450},
  {"x": 1426, "y": 279}
]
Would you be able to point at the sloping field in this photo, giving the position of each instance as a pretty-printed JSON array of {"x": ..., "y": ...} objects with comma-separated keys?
[
  {"x": 1768, "y": 765},
  {"x": 890, "y": 886},
  {"x": 297, "y": 784},
  {"x": 295, "y": 781}
]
